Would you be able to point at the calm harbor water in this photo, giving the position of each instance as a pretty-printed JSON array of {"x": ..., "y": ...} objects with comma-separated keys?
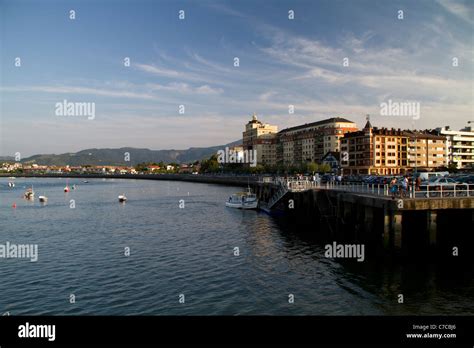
[{"x": 190, "y": 251}]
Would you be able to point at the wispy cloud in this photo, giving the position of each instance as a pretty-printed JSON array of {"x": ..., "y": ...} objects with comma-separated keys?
[
  {"x": 214, "y": 67},
  {"x": 159, "y": 71},
  {"x": 186, "y": 72},
  {"x": 459, "y": 9},
  {"x": 186, "y": 88},
  {"x": 80, "y": 91},
  {"x": 379, "y": 68},
  {"x": 224, "y": 9}
]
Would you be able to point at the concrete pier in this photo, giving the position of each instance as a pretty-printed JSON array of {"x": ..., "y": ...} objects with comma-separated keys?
[{"x": 391, "y": 223}]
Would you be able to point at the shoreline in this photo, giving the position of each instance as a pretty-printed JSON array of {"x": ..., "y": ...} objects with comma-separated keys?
[{"x": 228, "y": 180}]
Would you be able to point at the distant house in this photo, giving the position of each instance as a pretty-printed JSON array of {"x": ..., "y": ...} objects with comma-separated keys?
[
  {"x": 184, "y": 168},
  {"x": 121, "y": 170},
  {"x": 332, "y": 159},
  {"x": 34, "y": 168},
  {"x": 196, "y": 168},
  {"x": 92, "y": 169},
  {"x": 53, "y": 170},
  {"x": 108, "y": 169},
  {"x": 153, "y": 168},
  {"x": 169, "y": 167},
  {"x": 11, "y": 166}
]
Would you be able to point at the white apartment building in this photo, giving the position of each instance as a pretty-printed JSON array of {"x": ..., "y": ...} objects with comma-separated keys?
[{"x": 459, "y": 146}]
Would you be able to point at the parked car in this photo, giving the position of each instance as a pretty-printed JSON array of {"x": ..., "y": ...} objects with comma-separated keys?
[
  {"x": 467, "y": 179},
  {"x": 449, "y": 186},
  {"x": 441, "y": 181},
  {"x": 427, "y": 176},
  {"x": 327, "y": 178}
]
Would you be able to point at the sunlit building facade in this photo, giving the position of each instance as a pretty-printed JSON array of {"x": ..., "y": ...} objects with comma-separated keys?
[
  {"x": 310, "y": 142},
  {"x": 261, "y": 137}
]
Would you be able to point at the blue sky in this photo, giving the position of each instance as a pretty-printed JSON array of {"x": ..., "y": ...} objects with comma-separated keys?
[{"x": 190, "y": 62}]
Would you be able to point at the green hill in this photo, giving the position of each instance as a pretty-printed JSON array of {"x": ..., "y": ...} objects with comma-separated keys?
[{"x": 117, "y": 156}]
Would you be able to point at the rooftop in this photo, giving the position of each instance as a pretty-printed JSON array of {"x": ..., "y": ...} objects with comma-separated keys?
[
  {"x": 426, "y": 134},
  {"x": 317, "y": 123}
]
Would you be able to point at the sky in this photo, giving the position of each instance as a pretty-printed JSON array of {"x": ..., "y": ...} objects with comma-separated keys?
[{"x": 191, "y": 62}]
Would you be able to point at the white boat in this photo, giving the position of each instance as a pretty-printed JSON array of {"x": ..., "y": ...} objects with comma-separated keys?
[
  {"x": 43, "y": 199},
  {"x": 122, "y": 198},
  {"x": 243, "y": 200},
  {"x": 11, "y": 184},
  {"x": 30, "y": 194}
]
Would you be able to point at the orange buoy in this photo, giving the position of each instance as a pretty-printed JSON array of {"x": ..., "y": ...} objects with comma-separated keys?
[{"x": 14, "y": 205}]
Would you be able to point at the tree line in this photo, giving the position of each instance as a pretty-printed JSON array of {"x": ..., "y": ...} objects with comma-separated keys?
[{"x": 211, "y": 165}]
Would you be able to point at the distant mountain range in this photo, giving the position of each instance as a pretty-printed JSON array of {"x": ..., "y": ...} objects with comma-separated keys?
[{"x": 117, "y": 156}]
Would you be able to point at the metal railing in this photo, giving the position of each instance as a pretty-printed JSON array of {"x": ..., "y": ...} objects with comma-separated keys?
[
  {"x": 302, "y": 185},
  {"x": 424, "y": 191},
  {"x": 384, "y": 190},
  {"x": 279, "y": 194}
]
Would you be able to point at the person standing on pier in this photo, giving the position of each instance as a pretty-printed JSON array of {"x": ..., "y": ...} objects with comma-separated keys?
[
  {"x": 405, "y": 185},
  {"x": 418, "y": 183},
  {"x": 393, "y": 187}
]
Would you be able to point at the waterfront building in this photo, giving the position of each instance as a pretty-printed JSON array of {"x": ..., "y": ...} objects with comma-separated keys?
[
  {"x": 261, "y": 137},
  {"x": 374, "y": 151},
  {"x": 426, "y": 150},
  {"x": 459, "y": 146},
  {"x": 310, "y": 142},
  {"x": 386, "y": 151}
]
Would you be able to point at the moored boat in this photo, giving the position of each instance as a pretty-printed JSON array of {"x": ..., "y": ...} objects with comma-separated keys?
[
  {"x": 29, "y": 194},
  {"x": 122, "y": 198},
  {"x": 243, "y": 200},
  {"x": 43, "y": 199}
]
